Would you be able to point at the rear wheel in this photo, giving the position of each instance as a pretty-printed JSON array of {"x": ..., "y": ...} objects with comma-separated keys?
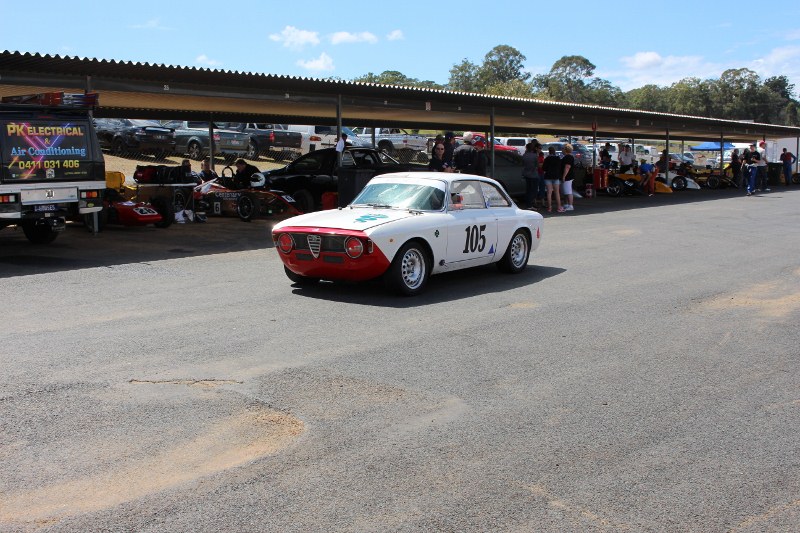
[
  {"x": 516, "y": 257},
  {"x": 615, "y": 187},
  {"x": 795, "y": 178},
  {"x": 166, "y": 208},
  {"x": 39, "y": 233},
  {"x": 299, "y": 279},
  {"x": 713, "y": 182},
  {"x": 409, "y": 272},
  {"x": 252, "y": 151},
  {"x": 305, "y": 201},
  {"x": 118, "y": 147},
  {"x": 180, "y": 200}
]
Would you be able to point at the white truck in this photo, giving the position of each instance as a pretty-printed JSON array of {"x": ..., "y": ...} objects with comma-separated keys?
[
  {"x": 51, "y": 166},
  {"x": 407, "y": 146}
]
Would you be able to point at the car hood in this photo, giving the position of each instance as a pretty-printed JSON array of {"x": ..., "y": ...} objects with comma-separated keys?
[{"x": 357, "y": 218}]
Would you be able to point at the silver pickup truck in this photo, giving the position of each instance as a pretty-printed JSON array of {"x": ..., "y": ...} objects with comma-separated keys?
[{"x": 406, "y": 146}]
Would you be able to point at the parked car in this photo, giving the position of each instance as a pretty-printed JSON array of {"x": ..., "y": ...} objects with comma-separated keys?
[
  {"x": 309, "y": 177},
  {"x": 123, "y": 136},
  {"x": 517, "y": 142},
  {"x": 395, "y": 141},
  {"x": 582, "y": 155},
  {"x": 192, "y": 138},
  {"x": 404, "y": 228},
  {"x": 267, "y": 138},
  {"x": 317, "y": 137}
]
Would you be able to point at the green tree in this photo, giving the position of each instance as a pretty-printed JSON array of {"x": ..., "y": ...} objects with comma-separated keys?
[
  {"x": 571, "y": 79},
  {"x": 690, "y": 96},
  {"x": 647, "y": 98},
  {"x": 501, "y": 64},
  {"x": 513, "y": 88},
  {"x": 464, "y": 77},
  {"x": 393, "y": 77}
]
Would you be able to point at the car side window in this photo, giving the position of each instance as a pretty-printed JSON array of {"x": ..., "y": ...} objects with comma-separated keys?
[
  {"x": 310, "y": 163},
  {"x": 471, "y": 194},
  {"x": 494, "y": 197},
  {"x": 347, "y": 160}
]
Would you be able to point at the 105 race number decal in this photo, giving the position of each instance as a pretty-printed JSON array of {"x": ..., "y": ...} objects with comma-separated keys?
[{"x": 476, "y": 240}]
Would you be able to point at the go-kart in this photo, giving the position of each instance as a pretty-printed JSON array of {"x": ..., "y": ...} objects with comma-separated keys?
[
  {"x": 226, "y": 196},
  {"x": 119, "y": 207}
]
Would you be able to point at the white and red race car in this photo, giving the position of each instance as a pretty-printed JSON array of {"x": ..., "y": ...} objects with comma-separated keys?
[{"x": 407, "y": 226}]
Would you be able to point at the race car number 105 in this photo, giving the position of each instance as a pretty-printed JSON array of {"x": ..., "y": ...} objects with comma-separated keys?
[{"x": 476, "y": 240}]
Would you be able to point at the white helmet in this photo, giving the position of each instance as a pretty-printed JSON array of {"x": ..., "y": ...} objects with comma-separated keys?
[{"x": 257, "y": 180}]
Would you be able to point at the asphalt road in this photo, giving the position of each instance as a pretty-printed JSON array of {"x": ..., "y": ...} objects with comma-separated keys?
[{"x": 642, "y": 375}]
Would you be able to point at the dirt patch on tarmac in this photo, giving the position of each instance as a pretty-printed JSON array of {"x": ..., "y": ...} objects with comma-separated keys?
[
  {"x": 101, "y": 448},
  {"x": 770, "y": 299}
]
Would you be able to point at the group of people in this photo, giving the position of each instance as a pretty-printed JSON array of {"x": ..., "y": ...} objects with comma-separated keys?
[
  {"x": 469, "y": 157},
  {"x": 546, "y": 177},
  {"x": 752, "y": 164},
  {"x": 240, "y": 179}
]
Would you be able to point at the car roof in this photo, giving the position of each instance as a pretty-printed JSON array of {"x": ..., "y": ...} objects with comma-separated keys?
[{"x": 448, "y": 177}]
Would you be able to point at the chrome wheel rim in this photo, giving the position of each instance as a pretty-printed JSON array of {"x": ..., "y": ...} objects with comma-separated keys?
[
  {"x": 519, "y": 250},
  {"x": 412, "y": 268}
]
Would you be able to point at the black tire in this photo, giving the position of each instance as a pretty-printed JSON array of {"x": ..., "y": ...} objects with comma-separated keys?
[
  {"x": 386, "y": 145},
  {"x": 102, "y": 220},
  {"x": 166, "y": 208},
  {"x": 179, "y": 200},
  {"x": 252, "y": 151},
  {"x": 516, "y": 257},
  {"x": 713, "y": 182},
  {"x": 248, "y": 207},
  {"x": 409, "y": 272},
  {"x": 679, "y": 183},
  {"x": 615, "y": 187},
  {"x": 195, "y": 151},
  {"x": 38, "y": 233},
  {"x": 305, "y": 201},
  {"x": 796, "y": 178},
  {"x": 298, "y": 279}
]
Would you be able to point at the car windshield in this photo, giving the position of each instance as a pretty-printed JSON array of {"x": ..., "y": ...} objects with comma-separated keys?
[
  {"x": 146, "y": 123},
  {"x": 417, "y": 196}
]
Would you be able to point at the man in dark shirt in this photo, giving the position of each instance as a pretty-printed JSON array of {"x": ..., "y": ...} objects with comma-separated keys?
[{"x": 244, "y": 170}]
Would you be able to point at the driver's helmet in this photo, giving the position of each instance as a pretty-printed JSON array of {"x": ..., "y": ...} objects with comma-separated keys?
[{"x": 257, "y": 180}]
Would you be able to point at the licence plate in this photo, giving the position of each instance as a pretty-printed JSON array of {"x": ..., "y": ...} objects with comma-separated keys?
[
  {"x": 236, "y": 143},
  {"x": 159, "y": 137},
  {"x": 45, "y": 208}
]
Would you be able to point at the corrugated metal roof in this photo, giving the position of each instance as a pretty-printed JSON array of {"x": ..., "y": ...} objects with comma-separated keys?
[{"x": 141, "y": 89}]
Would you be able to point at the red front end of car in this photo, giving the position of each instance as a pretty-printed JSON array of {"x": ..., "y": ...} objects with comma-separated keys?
[{"x": 327, "y": 253}]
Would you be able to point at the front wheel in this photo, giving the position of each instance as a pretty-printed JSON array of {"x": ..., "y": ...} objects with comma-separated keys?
[
  {"x": 299, "y": 279},
  {"x": 796, "y": 178},
  {"x": 410, "y": 270},
  {"x": 304, "y": 200},
  {"x": 679, "y": 183},
  {"x": 516, "y": 257},
  {"x": 247, "y": 207},
  {"x": 195, "y": 151},
  {"x": 252, "y": 151},
  {"x": 713, "y": 182}
]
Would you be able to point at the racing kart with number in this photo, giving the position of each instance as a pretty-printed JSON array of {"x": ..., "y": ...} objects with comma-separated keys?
[
  {"x": 121, "y": 207},
  {"x": 224, "y": 197},
  {"x": 406, "y": 226}
]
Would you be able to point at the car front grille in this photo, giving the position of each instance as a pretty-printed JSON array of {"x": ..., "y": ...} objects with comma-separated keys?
[{"x": 318, "y": 243}]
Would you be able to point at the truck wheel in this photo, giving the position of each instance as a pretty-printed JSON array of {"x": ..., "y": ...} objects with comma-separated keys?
[
  {"x": 247, "y": 207},
  {"x": 305, "y": 201},
  {"x": 38, "y": 233},
  {"x": 166, "y": 208},
  {"x": 386, "y": 145},
  {"x": 252, "y": 151},
  {"x": 195, "y": 151}
]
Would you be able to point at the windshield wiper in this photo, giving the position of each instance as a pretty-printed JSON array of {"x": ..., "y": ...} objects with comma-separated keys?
[{"x": 376, "y": 206}]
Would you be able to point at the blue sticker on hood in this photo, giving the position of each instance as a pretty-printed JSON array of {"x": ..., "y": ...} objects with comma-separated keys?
[{"x": 371, "y": 217}]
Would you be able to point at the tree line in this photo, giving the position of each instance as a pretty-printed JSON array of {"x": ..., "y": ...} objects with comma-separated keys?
[{"x": 738, "y": 94}]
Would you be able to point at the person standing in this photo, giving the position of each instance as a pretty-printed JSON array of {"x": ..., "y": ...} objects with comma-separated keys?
[
  {"x": 605, "y": 156},
  {"x": 752, "y": 171},
  {"x": 648, "y": 173},
  {"x": 625, "y": 159},
  {"x": 761, "y": 163},
  {"x": 788, "y": 159},
  {"x": 736, "y": 168},
  {"x": 466, "y": 158},
  {"x": 530, "y": 171},
  {"x": 449, "y": 147},
  {"x": 567, "y": 174},
  {"x": 552, "y": 179}
]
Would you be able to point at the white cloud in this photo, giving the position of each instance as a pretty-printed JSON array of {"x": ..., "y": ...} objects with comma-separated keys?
[
  {"x": 203, "y": 59},
  {"x": 395, "y": 35},
  {"x": 324, "y": 63},
  {"x": 346, "y": 37},
  {"x": 152, "y": 24},
  {"x": 642, "y": 60},
  {"x": 294, "y": 38}
]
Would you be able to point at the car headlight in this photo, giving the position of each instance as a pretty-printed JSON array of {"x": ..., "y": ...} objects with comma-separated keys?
[
  {"x": 285, "y": 243},
  {"x": 353, "y": 247}
]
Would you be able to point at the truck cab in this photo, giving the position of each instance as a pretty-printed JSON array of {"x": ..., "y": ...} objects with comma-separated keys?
[{"x": 51, "y": 166}]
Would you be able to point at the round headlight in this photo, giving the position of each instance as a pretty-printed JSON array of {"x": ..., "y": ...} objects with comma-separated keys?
[
  {"x": 354, "y": 247},
  {"x": 285, "y": 243}
]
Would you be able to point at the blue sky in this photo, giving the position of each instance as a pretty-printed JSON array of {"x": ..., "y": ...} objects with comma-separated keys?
[{"x": 631, "y": 43}]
